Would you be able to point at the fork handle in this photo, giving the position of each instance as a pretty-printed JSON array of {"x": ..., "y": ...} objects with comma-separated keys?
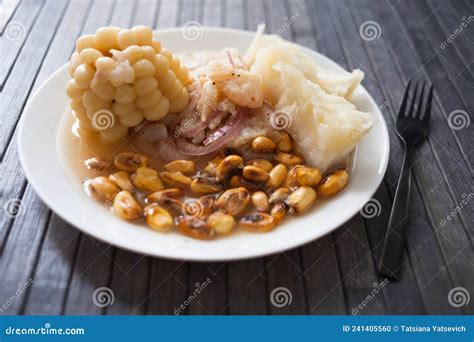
[{"x": 392, "y": 253}]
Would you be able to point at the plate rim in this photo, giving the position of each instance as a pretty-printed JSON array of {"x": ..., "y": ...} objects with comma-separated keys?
[{"x": 208, "y": 258}]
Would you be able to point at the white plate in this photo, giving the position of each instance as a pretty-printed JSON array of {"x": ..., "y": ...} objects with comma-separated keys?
[{"x": 38, "y": 146}]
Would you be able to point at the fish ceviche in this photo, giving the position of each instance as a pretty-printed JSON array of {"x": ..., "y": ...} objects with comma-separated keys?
[{"x": 210, "y": 142}]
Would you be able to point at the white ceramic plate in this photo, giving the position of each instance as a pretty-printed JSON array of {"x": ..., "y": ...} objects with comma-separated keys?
[{"x": 39, "y": 154}]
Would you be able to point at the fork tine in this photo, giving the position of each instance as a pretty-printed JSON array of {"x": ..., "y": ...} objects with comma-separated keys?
[
  {"x": 403, "y": 105},
  {"x": 412, "y": 104},
  {"x": 417, "y": 114},
  {"x": 427, "y": 114}
]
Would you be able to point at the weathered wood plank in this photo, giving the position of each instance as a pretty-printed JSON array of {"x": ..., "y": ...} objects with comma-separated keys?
[
  {"x": 234, "y": 14},
  {"x": 51, "y": 275},
  {"x": 91, "y": 275},
  {"x": 448, "y": 67},
  {"x": 254, "y": 14},
  {"x": 8, "y": 9},
  {"x": 147, "y": 13},
  {"x": 246, "y": 284},
  {"x": 168, "y": 14},
  {"x": 387, "y": 69},
  {"x": 213, "y": 299},
  {"x": 213, "y": 13},
  {"x": 450, "y": 17},
  {"x": 168, "y": 288},
  {"x": 13, "y": 184},
  {"x": 19, "y": 255},
  {"x": 324, "y": 290},
  {"x": 15, "y": 34},
  {"x": 25, "y": 69},
  {"x": 455, "y": 237}
]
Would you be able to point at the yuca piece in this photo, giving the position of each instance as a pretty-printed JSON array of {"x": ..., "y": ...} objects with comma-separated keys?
[{"x": 120, "y": 77}]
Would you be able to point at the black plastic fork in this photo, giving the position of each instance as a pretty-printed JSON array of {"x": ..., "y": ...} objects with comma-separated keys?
[{"x": 412, "y": 127}]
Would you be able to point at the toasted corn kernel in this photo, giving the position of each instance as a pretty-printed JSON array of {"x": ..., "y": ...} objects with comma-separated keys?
[
  {"x": 165, "y": 194},
  {"x": 103, "y": 189},
  {"x": 261, "y": 163},
  {"x": 260, "y": 201},
  {"x": 277, "y": 176},
  {"x": 194, "y": 227},
  {"x": 128, "y": 161},
  {"x": 126, "y": 206},
  {"x": 263, "y": 144},
  {"x": 333, "y": 183},
  {"x": 158, "y": 218},
  {"x": 258, "y": 222},
  {"x": 302, "y": 198},
  {"x": 175, "y": 179},
  {"x": 285, "y": 144},
  {"x": 279, "y": 195},
  {"x": 254, "y": 173},
  {"x": 205, "y": 185},
  {"x": 233, "y": 201},
  {"x": 307, "y": 176},
  {"x": 211, "y": 167},
  {"x": 147, "y": 179},
  {"x": 122, "y": 179},
  {"x": 279, "y": 212},
  {"x": 288, "y": 159},
  {"x": 184, "y": 166},
  {"x": 227, "y": 164},
  {"x": 221, "y": 223},
  {"x": 98, "y": 164},
  {"x": 290, "y": 180}
]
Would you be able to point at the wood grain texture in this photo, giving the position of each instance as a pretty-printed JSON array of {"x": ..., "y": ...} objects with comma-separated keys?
[{"x": 60, "y": 269}]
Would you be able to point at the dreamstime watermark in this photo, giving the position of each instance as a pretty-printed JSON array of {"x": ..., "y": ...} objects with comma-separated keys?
[
  {"x": 280, "y": 297},
  {"x": 280, "y": 120},
  {"x": 463, "y": 203},
  {"x": 458, "y": 296},
  {"x": 102, "y": 120},
  {"x": 370, "y": 30},
  {"x": 19, "y": 291},
  {"x": 192, "y": 30},
  {"x": 377, "y": 288},
  {"x": 199, "y": 288},
  {"x": 103, "y": 296},
  {"x": 191, "y": 121},
  {"x": 371, "y": 209},
  {"x": 13, "y": 208},
  {"x": 15, "y": 31},
  {"x": 465, "y": 21},
  {"x": 458, "y": 119},
  {"x": 47, "y": 329},
  {"x": 287, "y": 22},
  {"x": 192, "y": 207}
]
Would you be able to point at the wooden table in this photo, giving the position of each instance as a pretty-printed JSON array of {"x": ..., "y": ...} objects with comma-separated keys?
[{"x": 49, "y": 267}]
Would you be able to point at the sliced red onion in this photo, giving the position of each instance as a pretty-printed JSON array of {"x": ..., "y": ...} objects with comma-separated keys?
[
  {"x": 194, "y": 129},
  {"x": 216, "y": 139}
]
